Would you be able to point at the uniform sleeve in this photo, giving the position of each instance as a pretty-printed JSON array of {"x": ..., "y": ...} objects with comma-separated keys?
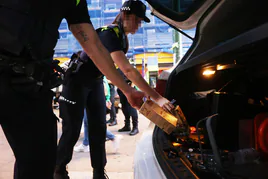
[
  {"x": 78, "y": 13},
  {"x": 110, "y": 40}
]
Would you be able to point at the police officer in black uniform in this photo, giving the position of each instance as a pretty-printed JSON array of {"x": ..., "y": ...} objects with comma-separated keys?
[
  {"x": 85, "y": 89},
  {"x": 28, "y": 33}
]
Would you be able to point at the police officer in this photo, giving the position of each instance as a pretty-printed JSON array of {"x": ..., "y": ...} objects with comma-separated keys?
[
  {"x": 112, "y": 121},
  {"x": 28, "y": 33},
  {"x": 84, "y": 89}
]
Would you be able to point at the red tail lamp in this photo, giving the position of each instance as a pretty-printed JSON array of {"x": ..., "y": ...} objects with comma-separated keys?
[{"x": 261, "y": 132}]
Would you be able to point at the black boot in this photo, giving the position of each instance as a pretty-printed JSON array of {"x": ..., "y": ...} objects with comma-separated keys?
[
  {"x": 60, "y": 173},
  {"x": 100, "y": 174},
  {"x": 109, "y": 121},
  {"x": 126, "y": 127},
  {"x": 135, "y": 129},
  {"x": 113, "y": 123}
]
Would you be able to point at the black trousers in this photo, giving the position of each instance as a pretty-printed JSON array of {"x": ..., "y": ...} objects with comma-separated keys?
[
  {"x": 127, "y": 109},
  {"x": 113, "y": 110},
  {"x": 77, "y": 95},
  {"x": 30, "y": 127}
]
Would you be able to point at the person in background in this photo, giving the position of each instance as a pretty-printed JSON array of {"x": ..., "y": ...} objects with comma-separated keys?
[
  {"x": 109, "y": 135},
  {"x": 84, "y": 146},
  {"x": 129, "y": 112},
  {"x": 112, "y": 121}
]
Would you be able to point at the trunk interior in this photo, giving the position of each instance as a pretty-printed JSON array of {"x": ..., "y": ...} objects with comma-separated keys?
[{"x": 225, "y": 101}]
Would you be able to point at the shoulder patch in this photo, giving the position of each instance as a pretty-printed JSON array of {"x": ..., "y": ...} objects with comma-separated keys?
[{"x": 114, "y": 28}]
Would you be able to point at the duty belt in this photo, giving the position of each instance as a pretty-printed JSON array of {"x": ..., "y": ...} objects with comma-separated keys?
[
  {"x": 11, "y": 60},
  {"x": 33, "y": 69}
]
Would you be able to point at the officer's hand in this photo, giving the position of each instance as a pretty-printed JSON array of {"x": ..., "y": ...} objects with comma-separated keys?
[
  {"x": 135, "y": 98},
  {"x": 165, "y": 104}
]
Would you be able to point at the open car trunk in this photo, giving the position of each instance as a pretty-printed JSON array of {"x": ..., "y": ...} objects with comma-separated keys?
[
  {"x": 238, "y": 94},
  {"x": 221, "y": 86}
]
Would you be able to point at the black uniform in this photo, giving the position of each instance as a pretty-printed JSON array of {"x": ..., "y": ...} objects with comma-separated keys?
[
  {"x": 85, "y": 89},
  {"x": 28, "y": 33},
  {"x": 128, "y": 111}
]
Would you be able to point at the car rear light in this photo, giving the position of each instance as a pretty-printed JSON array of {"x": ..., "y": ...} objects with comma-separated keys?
[
  {"x": 261, "y": 132},
  {"x": 208, "y": 72}
]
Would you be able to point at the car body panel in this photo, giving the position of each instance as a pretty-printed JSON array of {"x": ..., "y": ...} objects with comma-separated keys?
[
  {"x": 180, "y": 20},
  {"x": 145, "y": 163}
]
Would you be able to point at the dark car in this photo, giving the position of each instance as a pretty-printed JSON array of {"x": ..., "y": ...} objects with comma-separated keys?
[{"x": 221, "y": 85}]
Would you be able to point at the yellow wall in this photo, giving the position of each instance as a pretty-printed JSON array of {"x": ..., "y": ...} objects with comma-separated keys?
[
  {"x": 165, "y": 60},
  {"x": 62, "y": 59},
  {"x": 163, "y": 57}
]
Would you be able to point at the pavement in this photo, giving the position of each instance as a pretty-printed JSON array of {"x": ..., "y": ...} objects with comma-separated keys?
[{"x": 119, "y": 165}]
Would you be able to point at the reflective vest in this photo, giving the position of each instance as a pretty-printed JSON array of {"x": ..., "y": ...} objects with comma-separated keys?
[{"x": 119, "y": 33}]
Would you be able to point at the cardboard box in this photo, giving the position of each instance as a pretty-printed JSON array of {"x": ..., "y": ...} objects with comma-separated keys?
[{"x": 164, "y": 120}]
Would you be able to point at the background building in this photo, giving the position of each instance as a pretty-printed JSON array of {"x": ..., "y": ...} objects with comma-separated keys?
[{"x": 151, "y": 46}]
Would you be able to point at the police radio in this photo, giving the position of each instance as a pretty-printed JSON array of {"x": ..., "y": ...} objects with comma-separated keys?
[
  {"x": 73, "y": 67},
  {"x": 74, "y": 64}
]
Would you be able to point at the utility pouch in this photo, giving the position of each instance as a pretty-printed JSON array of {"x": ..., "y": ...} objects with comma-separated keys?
[
  {"x": 35, "y": 76},
  {"x": 74, "y": 66},
  {"x": 28, "y": 78},
  {"x": 72, "y": 69},
  {"x": 25, "y": 85},
  {"x": 56, "y": 79}
]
